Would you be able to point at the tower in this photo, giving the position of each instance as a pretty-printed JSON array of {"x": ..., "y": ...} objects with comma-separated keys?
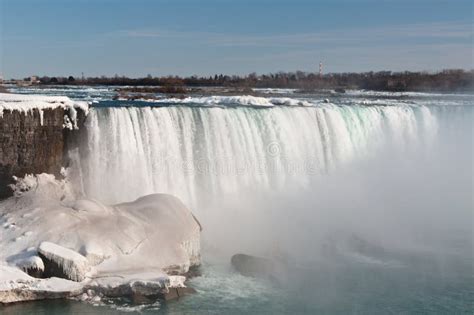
[{"x": 320, "y": 69}]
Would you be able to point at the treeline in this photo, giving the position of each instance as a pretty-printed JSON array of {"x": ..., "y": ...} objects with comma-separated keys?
[{"x": 446, "y": 80}]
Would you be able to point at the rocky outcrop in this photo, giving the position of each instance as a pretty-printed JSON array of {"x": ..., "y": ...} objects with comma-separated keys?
[
  {"x": 38, "y": 289},
  {"x": 119, "y": 250},
  {"x": 32, "y": 143},
  {"x": 150, "y": 286},
  {"x": 16, "y": 286},
  {"x": 32, "y": 265},
  {"x": 62, "y": 262}
]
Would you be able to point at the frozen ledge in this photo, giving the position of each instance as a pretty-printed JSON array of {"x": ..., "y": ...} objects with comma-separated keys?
[
  {"x": 26, "y": 103},
  {"x": 16, "y": 286}
]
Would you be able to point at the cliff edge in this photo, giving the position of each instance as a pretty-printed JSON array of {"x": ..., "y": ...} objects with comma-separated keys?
[{"x": 34, "y": 132}]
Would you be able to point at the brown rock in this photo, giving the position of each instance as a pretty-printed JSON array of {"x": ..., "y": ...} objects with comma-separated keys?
[
  {"x": 176, "y": 293},
  {"x": 29, "y": 147}
]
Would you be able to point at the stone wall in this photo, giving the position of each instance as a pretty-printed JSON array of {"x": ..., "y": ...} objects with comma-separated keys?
[{"x": 29, "y": 147}]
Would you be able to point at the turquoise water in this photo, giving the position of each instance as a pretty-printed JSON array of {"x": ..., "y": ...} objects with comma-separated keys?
[{"x": 412, "y": 284}]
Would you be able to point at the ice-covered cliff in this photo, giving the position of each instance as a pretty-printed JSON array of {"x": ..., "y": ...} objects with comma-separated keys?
[{"x": 33, "y": 134}]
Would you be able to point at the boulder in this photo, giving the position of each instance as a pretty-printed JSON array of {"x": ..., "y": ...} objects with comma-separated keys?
[
  {"x": 176, "y": 293},
  {"x": 62, "y": 262},
  {"x": 32, "y": 265}
]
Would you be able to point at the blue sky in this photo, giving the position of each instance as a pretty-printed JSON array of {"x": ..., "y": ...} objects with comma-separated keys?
[{"x": 140, "y": 37}]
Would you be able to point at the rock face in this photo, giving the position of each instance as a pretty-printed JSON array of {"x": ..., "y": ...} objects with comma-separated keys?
[
  {"x": 32, "y": 143},
  {"x": 62, "y": 262},
  {"x": 176, "y": 293}
]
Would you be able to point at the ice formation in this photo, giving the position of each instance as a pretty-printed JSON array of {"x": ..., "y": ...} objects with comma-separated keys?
[
  {"x": 30, "y": 263},
  {"x": 130, "y": 245},
  {"x": 72, "y": 264},
  {"x": 27, "y": 103}
]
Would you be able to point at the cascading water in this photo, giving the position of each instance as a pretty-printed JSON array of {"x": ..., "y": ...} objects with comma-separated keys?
[{"x": 196, "y": 152}]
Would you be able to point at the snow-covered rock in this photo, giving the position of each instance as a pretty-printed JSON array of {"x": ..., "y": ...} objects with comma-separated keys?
[
  {"x": 16, "y": 286},
  {"x": 131, "y": 245},
  {"x": 31, "y": 264},
  {"x": 26, "y": 103},
  {"x": 129, "y": 283},
  {"x": 62, "y": 262},
  {"x": 177, "y": 281}
]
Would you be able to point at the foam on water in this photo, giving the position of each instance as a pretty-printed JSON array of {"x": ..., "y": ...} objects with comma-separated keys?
[{"x": 241, "y": 100}]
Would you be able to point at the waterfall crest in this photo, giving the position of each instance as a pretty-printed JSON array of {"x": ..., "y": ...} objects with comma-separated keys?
[{"x": 195, "y": 151}]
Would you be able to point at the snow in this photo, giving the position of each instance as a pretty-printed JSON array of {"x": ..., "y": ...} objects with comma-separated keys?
[
  {"x": 10, "y": 274},
  {"x": 16, "y": 286},
  {"x": 73, "y": 264},
  {"x": 177, "y": 281},
  {"x": 32, "y": 262},
  {"x": 130, "y": 245},
  {"x": 130, "y": 281},
  {"x": 27, "y": 103},
  {"x": 93, "y": 253},
  {"x": 46, "y": 187}
]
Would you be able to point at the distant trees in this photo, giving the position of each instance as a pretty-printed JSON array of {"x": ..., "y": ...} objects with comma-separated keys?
[{"x": 446, "y": 80}]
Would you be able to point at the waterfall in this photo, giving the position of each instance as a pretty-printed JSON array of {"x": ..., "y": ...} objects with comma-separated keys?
[{"x": 193, "y": 152}]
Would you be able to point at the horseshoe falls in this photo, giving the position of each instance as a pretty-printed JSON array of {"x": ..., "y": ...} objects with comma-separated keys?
[
  {"x": 203, "y": 152},
  {"x": 367, "y": 190}
]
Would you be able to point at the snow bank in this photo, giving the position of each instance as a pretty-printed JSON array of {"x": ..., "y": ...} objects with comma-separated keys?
[
  {"x": 45, "y": 186},
  {"x": 130, "y": 245},
  {"x": 26, "y": 103}
]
